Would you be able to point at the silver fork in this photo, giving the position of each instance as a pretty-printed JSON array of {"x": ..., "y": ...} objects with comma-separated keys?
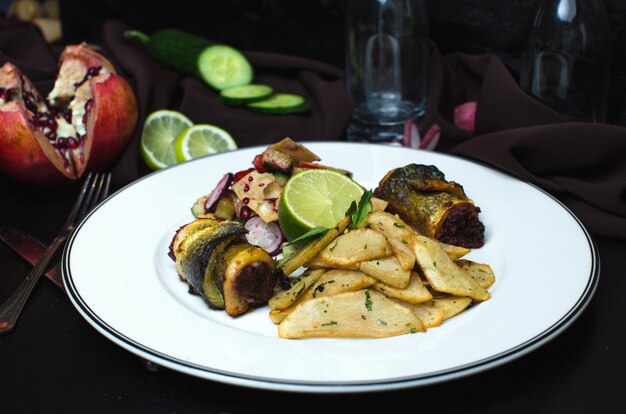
[{"x": 94, "y": 189}]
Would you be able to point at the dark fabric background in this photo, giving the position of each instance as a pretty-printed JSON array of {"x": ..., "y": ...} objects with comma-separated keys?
[{"x": 316, "y": 28}]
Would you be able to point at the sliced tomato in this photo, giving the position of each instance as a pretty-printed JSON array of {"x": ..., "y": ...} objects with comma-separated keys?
[
  {"x": 258, "y": 163},
  {"x": 239, "y": 175}
]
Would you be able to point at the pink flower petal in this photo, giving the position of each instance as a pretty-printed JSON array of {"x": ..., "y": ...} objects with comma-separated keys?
[
  {"x": 431, "y": 139},
  {"x": 465, "y": 116},
  {"x": 411, "y": 134}
]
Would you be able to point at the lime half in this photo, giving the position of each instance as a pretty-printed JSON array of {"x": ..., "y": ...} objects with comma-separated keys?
[
  {"x": 159, "y": 134},
  {"x": 200, "y": 140},
  {"x": 315, "y": 197}
]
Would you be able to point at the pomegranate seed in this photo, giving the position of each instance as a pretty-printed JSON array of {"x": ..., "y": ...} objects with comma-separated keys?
[
  {"x": 72, "y": 143},
  {"x": 245, "y": 212},
  {"x": 93, "y": 71}
]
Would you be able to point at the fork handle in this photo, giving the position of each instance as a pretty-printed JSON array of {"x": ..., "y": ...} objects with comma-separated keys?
[{"x": 12, "y": 308}]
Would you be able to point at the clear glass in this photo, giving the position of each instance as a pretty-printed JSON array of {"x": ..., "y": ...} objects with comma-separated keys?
[
  {"x": 566, "y": 61},
  {"x": 386, "y": 66}
]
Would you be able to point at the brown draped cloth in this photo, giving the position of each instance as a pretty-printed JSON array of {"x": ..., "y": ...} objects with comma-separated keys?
[
  {"x": 582, "y": 164},
  {"x": 161, "y": 88}
]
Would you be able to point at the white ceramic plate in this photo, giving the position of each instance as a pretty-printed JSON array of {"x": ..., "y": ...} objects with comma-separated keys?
[{"x": 120, "y": 279}]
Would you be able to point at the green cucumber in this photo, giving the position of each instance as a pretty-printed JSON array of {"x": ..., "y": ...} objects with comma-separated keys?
[
  {"x": 219, "y": 65},
  {"x": 280, "y": 104},
  {"x": 244, "y": 94}
]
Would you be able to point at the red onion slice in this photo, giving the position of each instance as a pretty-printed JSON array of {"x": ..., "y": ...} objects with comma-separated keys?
[
  {"x": 268, "y": 236},
  {"x": 218, "y": 192}
]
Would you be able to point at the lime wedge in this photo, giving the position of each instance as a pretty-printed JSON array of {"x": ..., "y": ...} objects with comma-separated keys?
[
  {"x": 200, "y": 140},
  {"x": 315, "y": 197},
  {"x": 159, "y": 133}
]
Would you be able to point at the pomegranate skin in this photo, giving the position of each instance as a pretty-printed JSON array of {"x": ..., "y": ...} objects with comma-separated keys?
[
  {"x": 111, "y": 122},
  {"x": 28, "y": 156},
  {"x": 21, "y": 156}
]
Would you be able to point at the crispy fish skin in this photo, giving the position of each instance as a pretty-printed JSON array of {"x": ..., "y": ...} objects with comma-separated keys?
[
  {"x": 437, "y": 208},
  {"x": 219, "y": 264}
]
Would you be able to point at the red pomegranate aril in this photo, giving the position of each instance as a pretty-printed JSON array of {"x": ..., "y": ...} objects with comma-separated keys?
[
  {"x": 245, "y": 212},
  {"x": 72, "y": 143},
  {"x": 93, "y": 71},
  {"x": 31, "y": 124}
]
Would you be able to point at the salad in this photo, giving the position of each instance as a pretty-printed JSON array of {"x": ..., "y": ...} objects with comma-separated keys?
[{"x": 252, "y": 195}]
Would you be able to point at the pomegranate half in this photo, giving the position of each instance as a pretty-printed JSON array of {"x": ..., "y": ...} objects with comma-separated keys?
[{"x": 84, "y": 124}]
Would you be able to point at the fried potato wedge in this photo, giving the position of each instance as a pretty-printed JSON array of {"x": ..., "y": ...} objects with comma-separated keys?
[
  {"x": 451, "y": 305},
  {"x": 278, "y": 315},
  {"x": 443, "y": 274},
  {"x": 354, "y": 247},
  {"x": 482, "y": 272},
  {"x": 391, "y": 226},
  {"x": 415, "y": 292},
  {"x": 378, "y": 204},
  {"x": 404, "y": 253},
  {"x": 429, "y": 315},
  {"x": 455, "y": 252},
  {"x": 285, "y": 298},
  {"x": 364, "y": 313},
  {"x": 317, "y": 263},
  {"x": 387, "y": 270},
  {"x": 338, "y": 281},
  {"x": 312, "y": 249},
  {"x": 331, "y": 282}
]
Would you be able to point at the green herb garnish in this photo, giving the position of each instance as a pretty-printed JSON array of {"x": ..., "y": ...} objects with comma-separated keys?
[
  {"x": 315, "y": 231},
  {"x": 357, "y": 212},
  {"x": 368, "y": 300}
]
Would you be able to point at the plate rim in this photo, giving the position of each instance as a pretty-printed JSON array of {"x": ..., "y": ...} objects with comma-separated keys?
[{"x": 455, "y": 372}]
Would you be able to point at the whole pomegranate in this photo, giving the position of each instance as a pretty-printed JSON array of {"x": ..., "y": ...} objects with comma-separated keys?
[{"x": 84, "y": 124}]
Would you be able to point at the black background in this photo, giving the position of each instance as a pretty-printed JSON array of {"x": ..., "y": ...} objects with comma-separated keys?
[{"x": 56, "y": 362}]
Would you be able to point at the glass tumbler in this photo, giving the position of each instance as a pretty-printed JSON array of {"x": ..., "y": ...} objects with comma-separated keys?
[
  {"x": 566, "y": 61},
  {"x": 386, "y": 66}
]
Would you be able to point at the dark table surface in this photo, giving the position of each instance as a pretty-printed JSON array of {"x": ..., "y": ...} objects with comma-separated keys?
[{"x": 55, "y": 361}]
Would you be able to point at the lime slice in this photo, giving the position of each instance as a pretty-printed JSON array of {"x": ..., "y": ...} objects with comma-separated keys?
[
  {"x": 200, "y": 140},
  {"x": 159, "y": 133},
  {"x": 315, "y": 197}
]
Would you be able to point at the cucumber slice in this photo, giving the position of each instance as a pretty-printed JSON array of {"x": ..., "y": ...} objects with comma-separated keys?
[
  {"x": 244, "y": 94},
  {"x": 219, "y": 65},
  {"x": 223, "y": 67},
  {"x": 280, "y": 104}
]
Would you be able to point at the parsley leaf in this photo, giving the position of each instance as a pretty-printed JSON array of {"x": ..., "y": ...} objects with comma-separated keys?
[
  {"x": 357, "y": 212},
  {"x": 315, "y": 231}
]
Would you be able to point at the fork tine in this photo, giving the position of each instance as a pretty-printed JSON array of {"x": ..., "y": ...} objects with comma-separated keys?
[
  {"x": 11, "y": 309},
  {"x": 107, "y": 187},
  {"x": 92, "y": 195},
  {"x": 99, "y": 190},
  {"x": 80, "y": 200}
]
